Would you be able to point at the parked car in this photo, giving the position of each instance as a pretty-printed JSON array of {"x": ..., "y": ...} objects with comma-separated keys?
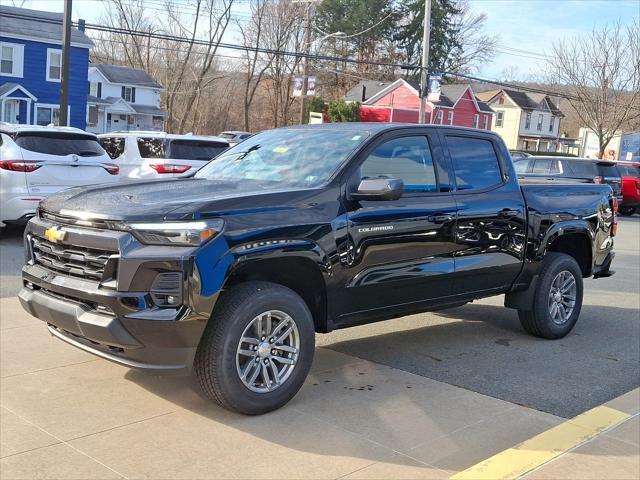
[
  {"x": 234, "y": 136},
  {"x": 302, "y": 230},
  {"x": 568, "y": 169},
  {"x": 145, "y": 155},
  {"x": 37, "y": 161},
  {"x": 630, "y": 172}
]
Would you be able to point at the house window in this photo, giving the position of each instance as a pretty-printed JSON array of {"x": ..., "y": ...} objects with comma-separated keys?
[
  {"x": 499, "y": 119},
  {"x": 476, "y": 119},
  {"x": 527, "y": 124},
  {"x": 540, "y": 118},
  {"x": 129, "y": 94},
  {"x": 54, "y": 65},
  {"x": 551, "y": 123},
  {"x": 46, "y": 114},
  {"x": 439, "y": 117},
  {"x": 450, "y": 117},
  {"x": 486, "y": 122},
  {"x": 11, "y": 55},
  {"x": 95, "y": 89},
  {"x": 501, "y": 101}
]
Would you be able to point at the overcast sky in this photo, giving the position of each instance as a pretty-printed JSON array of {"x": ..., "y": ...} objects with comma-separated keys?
[{"x": 529, "y": 26}]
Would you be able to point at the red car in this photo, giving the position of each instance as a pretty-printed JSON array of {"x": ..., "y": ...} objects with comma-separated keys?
[{"x": 630, "y": 172}]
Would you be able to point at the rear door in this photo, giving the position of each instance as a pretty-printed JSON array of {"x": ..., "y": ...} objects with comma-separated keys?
[
  {"x": 65, "y": 159},
  {"x": 400, "y": 252},
  {"x": 491, "y": 228}
]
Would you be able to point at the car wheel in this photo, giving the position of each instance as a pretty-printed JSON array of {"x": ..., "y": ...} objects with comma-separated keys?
[
  {"x": 257, "y": 348},
  {"x": 557, "y": 299},
  {"x": 627, "y": 211}
]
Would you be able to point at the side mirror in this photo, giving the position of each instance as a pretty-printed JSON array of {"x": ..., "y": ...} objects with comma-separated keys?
[{"x": 379, "y": 189}]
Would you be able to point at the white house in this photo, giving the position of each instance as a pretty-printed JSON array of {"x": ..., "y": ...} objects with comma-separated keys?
[
  {"x": 122, "y": 98},
  {"x": 525, "y": 121}
]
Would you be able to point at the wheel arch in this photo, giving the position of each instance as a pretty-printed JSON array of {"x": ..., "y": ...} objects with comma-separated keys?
[
  {"x": 302, "y": 270},
  {"x": 573, "y": 238}
]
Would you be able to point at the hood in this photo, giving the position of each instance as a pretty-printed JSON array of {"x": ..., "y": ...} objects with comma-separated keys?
[{"x": 173, "y": 199}]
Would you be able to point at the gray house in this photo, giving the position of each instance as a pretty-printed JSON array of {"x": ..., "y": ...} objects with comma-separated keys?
[{"x": 123, "y": 98}]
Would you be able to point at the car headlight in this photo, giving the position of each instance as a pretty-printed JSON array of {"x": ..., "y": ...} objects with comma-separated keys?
[{"x": 192, "y": 234}]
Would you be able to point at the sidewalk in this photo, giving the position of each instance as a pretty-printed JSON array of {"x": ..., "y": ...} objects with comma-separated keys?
[{"x": 66, "y": 414}]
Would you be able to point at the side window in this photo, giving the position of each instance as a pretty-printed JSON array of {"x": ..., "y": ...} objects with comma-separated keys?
[
  {"x": 541, "y": 166},
  {"x": 475, "y": 163},
  {"x": 151, "y": 147},
  {"x": 582, "y": 168},
  {"x": 114, "y": 146},
  {"x": 555, "y": 167},
  {"x": 521, "y": 166},
  {"x": 405, "y": 158}
]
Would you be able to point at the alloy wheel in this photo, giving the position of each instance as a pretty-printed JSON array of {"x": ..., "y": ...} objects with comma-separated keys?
[{"x": 562, "y": 297}]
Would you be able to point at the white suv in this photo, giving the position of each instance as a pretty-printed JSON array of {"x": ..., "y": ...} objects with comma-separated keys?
[
  {"x": 159, "y": 155},
  {"x": 37, "y": 161}
]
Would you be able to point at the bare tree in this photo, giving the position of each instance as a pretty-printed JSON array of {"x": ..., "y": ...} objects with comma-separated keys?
[
  {"x": 282, "y": 30},
  {"x": 601, "y": 72},
  {"x": 256, "y": 64},
  {"x": 471, "y": 46}
]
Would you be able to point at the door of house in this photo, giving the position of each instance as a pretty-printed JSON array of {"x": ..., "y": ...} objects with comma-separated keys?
[{"x": 10, "y": 111}]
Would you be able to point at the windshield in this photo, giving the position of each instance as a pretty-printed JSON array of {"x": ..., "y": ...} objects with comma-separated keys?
[
  {"x": 301, "y": 158},
  {"x": 54, "y": 143}
]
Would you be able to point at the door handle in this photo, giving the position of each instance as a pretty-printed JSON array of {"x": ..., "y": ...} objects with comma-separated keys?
[
  {"x": 439, "y": 218},
  {"x": 506, "y": 213}
]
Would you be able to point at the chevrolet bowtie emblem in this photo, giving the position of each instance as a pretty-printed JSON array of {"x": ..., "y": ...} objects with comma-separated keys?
[{"x": 55, "y": 234}]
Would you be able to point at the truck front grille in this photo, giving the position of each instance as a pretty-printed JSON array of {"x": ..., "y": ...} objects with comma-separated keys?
[{"x": 87, "y": 263}]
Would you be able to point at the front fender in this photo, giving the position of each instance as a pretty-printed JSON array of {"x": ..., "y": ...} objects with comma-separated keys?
[{"x": 217, "y": 260}]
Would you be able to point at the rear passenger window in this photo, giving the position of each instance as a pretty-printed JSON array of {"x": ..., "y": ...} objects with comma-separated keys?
[
  {"x": 151, "y": 147},
  {"x": 408, "y": 159},
  {"x": 475, "y": 163},
  {"x": 581, "y": 167},
  {"x": 541, "y": 166},
  {"x": 114, "y": 146}
]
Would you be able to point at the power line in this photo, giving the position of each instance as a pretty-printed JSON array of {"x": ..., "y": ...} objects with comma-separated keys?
[{"x": 269, "y": 51}]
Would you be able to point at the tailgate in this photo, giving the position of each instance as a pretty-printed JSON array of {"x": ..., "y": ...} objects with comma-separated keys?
[{"x": 64, "y": 160}]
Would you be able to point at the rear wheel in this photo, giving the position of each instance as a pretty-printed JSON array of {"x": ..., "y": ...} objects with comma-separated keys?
[
  {"x": 557, "y": 299},
  {"x": 627, "y": 211},
  {"x": 257, "y": 348}
]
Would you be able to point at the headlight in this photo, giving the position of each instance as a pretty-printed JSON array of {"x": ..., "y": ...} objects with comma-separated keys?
[{"x": 191, "y": 234}]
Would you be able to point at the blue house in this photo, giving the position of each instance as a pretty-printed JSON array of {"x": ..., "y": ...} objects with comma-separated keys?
[{"x": 30, "y": 68}]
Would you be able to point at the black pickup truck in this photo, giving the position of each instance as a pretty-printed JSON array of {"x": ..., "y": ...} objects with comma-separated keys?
[{"x": 301, "y": 230}]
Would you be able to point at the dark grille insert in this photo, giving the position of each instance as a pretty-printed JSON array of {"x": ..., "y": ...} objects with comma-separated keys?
[{"x": 87, "y": 263}]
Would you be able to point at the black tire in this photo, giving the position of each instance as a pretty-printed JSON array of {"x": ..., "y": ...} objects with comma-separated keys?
[
  {"x": 538, "y": 320},
  {"x": 627, "y": 211},
  {"x": 215, "y": 362}
]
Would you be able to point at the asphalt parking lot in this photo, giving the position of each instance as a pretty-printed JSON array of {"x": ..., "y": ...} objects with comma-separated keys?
[{"x": 424, "y": 396}]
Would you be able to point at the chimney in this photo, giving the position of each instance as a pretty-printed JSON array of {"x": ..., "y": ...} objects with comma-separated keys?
[{"x": 81, "y": 24}]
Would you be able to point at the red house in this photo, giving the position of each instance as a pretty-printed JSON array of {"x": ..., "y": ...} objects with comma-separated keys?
[{"x": 400, "y": 102}]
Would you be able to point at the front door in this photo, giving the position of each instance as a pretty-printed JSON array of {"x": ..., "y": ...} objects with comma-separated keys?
[
  {"x": 400, "y": 252},
  {"x": 10, "y": 111}
]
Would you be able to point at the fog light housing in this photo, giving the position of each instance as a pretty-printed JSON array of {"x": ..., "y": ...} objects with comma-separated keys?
[{"x": 166, "y": 290}]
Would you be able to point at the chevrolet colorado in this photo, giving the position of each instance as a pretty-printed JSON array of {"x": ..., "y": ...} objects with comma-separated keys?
[{"x": 301, "y": 230}]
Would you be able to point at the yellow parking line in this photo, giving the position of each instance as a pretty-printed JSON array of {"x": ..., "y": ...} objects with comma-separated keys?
[{"x": 515, "y": 462}]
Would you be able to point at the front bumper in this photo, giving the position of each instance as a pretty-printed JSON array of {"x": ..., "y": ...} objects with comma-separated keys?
[{"x": 116, "y": 318}]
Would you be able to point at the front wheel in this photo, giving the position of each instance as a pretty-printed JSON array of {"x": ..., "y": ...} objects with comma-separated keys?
[
  {"x": 627, "y": 211},
  {"x": 557, "y": 299},
  {"x": 257, "y": 348}
]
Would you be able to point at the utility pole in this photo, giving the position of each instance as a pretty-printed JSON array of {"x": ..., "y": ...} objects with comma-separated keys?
[
  {"x": 425, "y": 59},
  {"x": 305, "y": 63},
  {"x": 66, "y": 59}
]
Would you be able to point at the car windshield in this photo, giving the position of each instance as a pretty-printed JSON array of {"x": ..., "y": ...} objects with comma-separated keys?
[
  {"x": 629, "y": 170},
  {"x": 285, "y": 158},
  {"x": 60, "y": 143}
]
